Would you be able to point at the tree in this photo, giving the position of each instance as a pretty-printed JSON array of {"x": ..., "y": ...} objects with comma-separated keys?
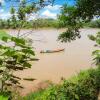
[
  {"x": 18, "y": 55},
  {"x": 12, "y": 58},
  {"x": 73, "y": 16},
  {"x": 2, "y": 24},
  {"x": 87, "y": 9},
  {"x": 68, "y": 19},
  {"x": 13, "y": 17}
]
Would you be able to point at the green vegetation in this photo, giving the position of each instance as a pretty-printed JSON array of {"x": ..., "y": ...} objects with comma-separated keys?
[
  {"x": 3, "y": 98},
  {"x": 85, "y": 86},
  {"x": 19, "y": 53},
  {"x": 96, "y": 53},
  {"x": 3, "y": 34},
  {"x": 43, "y": 23},
  {"x": 39, "y": 23},
  {"x": 20, "y": 20},
  {"x": 13, "y": 58},
  {"x": 73, "y": 17},
  {"x": 93, "y": 24}
]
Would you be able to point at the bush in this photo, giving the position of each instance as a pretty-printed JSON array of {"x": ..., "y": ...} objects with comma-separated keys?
[
  {"x": 85, "y": 86},
  {"x": 93, "y": 24}
]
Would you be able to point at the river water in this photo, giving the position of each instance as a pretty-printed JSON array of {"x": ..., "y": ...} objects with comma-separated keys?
[{"x": 77, "y": 56}]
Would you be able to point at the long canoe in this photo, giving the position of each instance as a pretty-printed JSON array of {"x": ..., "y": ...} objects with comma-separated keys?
[{"x": 51, "y": 51}]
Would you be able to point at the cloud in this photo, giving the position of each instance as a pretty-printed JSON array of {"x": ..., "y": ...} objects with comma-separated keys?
[
  {"x": 48, "y": 14},
  {"x": 53, "y": 8},
  {"x": 1, "y": 10},
  {"x": 5, "y": 15},
  {"x": 32, "y": 16},
  {"x": 50, "y": 11}
]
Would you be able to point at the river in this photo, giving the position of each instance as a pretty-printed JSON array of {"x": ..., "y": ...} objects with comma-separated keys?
[{"x": 77, "y": 56}]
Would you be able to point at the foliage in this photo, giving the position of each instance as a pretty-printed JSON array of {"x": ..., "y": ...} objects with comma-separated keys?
[
  {"x": 15, "y": 52},
  {"x": 42, "y": 23},
  {"x": 13, "y": 18},
  {"x": 93, "y": 24},
  {"x": 13, "y": 58},
  {"x": 68, "y": 19},
  {"x": 72, "y": 17},
  {"x": 69, "y": 35},
  {"x": 87, "y": 9},
  {"x": 3, "y": 98},
  {"x": 96, "y": 53},
  {"x": 39, "y": 23},
  {"x": 3, "y": 33},
  {"x": 85, "y": 86}
]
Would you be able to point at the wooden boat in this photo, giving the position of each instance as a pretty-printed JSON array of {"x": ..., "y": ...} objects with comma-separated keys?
[{"x": 51, "y": 51}]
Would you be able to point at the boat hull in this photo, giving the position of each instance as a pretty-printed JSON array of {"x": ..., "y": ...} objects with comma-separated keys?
[{"x": 52, "y": 51}]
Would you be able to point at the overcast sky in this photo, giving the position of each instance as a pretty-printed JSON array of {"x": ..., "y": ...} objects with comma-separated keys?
[{"x": 47, "y": 12}]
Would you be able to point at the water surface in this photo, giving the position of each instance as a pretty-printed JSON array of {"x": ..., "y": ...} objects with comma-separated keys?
[{"x": 76, "y": 57}]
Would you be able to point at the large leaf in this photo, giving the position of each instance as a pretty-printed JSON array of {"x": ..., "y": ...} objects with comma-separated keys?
[
  {"x": 27, "y": 65},
  {"x": 28, "y": 51},
  {"x": 18, "y": 40},
  {"x": 3, "y": 97},
  {"x": 4, "y": 34},
  {"x": 5, "y": 38}
]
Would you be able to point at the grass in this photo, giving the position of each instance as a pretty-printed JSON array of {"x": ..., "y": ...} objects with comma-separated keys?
[{"x": 33, "y": 95}]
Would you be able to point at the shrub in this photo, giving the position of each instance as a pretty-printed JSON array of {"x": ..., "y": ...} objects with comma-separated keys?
[{"x": 85, "y": 86}]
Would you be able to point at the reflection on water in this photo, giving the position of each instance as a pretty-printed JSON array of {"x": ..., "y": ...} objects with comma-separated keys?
[{"x": 77, "y": 56}]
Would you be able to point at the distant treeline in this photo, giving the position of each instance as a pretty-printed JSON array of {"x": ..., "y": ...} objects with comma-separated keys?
[
  {"x": 39, "y": 23},
  {"x": 93, "y": 24}
]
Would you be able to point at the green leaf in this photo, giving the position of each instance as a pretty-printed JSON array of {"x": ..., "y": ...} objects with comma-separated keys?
[
  {"x": 1, "y": 61},
  {"x": 98, "y": 41},
  {"x": 3, "y": 97},
  {"x": 27, "y": 65},
  {"x": 28, "y": 51},
  {"x": 5, "y": 39},
  {"x": 96, "y": 52},
  {"x": 18, "y": 40},
  {"x": 91, "y": 37},
  {"x": 9, "y": 53}
]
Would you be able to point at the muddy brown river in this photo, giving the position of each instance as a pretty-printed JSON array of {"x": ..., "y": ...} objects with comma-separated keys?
[{"x": 76, "y": 57}]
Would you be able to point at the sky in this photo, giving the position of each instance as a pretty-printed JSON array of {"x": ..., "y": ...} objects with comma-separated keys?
[{"x": 47, "y": 12}]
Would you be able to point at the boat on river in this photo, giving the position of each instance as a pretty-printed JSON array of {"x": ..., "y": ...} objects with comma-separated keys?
[{"x": 51, "y": 51}]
